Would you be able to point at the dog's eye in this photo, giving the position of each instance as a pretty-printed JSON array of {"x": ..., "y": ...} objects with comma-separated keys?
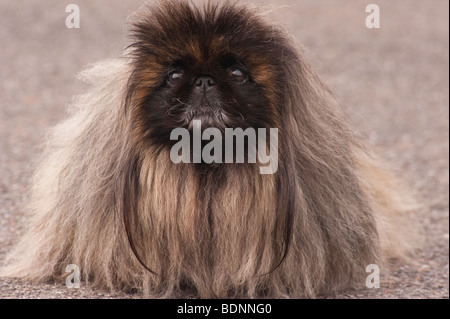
[
  {"x": 175, "y": 75},
  {"x": 238, "y": 74}
]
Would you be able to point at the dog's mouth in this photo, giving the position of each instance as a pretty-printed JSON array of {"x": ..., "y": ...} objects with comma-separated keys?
[
  {"x": 207, "y": 116},
  {"x": 205, "y": 120}
]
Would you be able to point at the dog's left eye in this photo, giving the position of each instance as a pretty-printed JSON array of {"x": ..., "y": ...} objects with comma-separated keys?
[
  {"x": 238, "y": 74},
  {"x": 175, "y": 76}
]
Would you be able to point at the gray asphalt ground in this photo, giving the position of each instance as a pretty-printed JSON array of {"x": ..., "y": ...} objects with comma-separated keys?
[{"x": 393, "y": 83}]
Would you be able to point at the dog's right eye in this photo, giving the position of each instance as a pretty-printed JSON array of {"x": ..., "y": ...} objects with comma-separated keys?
[
  {"x": 238, "y": 74},
  {"x": 175, "y": 75}
]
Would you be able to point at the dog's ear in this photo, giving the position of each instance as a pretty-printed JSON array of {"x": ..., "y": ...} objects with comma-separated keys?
[
  {"x": 323, "y": 151},
  {"x": 126, "y": 197}
]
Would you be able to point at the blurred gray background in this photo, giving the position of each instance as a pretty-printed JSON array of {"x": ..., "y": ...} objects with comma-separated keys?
[{"x": 393, "y": 83}]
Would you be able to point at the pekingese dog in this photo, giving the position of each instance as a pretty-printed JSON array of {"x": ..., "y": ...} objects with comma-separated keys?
[{"x": 108, "y": 196}]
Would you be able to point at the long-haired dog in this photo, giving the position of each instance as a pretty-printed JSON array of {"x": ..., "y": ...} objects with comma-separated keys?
[{"x": 107, "y": 197}]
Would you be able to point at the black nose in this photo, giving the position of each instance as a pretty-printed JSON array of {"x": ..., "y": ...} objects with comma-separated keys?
[{"x": 205, "y": 83}]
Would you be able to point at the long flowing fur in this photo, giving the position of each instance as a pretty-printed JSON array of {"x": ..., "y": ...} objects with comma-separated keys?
[{"x": 133, "y": 220}]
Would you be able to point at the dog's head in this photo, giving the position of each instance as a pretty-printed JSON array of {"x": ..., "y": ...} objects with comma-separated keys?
[{"x": 222, "y": 65}]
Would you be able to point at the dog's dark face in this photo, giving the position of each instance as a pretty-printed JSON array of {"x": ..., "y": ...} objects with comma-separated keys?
[
  {"x": 223, "y": 67},
  {"x": 220, "y": 91}
]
